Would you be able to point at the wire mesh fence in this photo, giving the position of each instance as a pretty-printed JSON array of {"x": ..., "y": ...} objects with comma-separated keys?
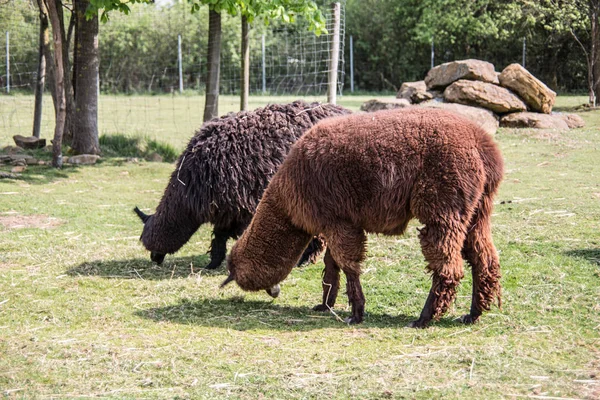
[{"x": 159, "y": 49}]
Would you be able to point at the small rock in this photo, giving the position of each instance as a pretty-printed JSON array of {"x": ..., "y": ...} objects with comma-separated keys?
[
  {"x": 83, "y": 159},
  {"x": 9, "y": 175},
  {"x": 154, "y": 157},
  {"x": 132, "y": 160},
  {"x": 533, "y": 120},
  {"x": 13, "y": 150},
  {"x": 29, "y": 142},
  {"x": 18, "y": 169},
  {"x": 19, "y": 162},
  {"x": 41, "y": 162},
  {"x": 384, "y": 104}
]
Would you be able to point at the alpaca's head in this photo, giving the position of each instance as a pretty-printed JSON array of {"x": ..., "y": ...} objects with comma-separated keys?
[{"x": 156, "y": 256}]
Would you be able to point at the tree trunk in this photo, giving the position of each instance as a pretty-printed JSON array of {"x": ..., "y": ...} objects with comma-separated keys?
[
  {"x": 59, "y": 81},
  {"x": 69, "y": 89},
  {"x": 595, "y": 53},
  {"x": 44, "y": 43},
  {"x": 85, "y": 71},
  {"x": 245, "y": 83},
  {"x": 211, "y": 107}
]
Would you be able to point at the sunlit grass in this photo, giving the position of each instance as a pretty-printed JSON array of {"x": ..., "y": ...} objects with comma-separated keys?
[{"x": 84, "y": 313}]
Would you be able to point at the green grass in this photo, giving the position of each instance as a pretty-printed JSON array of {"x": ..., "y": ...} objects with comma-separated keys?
[{"x": 84, "y": 313}]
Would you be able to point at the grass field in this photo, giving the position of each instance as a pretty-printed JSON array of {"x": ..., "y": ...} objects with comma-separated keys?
[{"x": 84, "y": 313}]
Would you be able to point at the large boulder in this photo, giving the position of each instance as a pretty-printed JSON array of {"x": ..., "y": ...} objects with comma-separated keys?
[
  {"x": 482, "y": 94},
  {"x": 29, "y": 142},
  {"x": 538, "y": 96},
  {"x": 482, "y": 117},
  {"x": 416, "y": 92},
  {"x": 573, "y": 120},
  {"x": 533, "y": 120},
  {"x": 445, "y": 74},
  {"x": 384, "y": 104}
]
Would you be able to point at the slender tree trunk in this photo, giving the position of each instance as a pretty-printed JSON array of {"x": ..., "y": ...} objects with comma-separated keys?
[
  {"x": 595, "y": 53},
  {"x": 68, "y": 82},
  {"x": 211, "y": 107},
  {"x": 59, "y": 81},
  {"x": 44, "y": 42},
  {"x": 85, "y": 70},
  {"x": 245, "y": 84}
]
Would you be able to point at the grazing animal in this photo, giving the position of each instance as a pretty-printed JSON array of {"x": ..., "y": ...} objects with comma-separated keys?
[
  {"x": 374, "y": 173},
  {"x": 222, "y": 174}
]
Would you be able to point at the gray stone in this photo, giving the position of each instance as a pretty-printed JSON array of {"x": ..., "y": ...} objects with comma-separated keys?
[
  {"x": 13, "y": 150},
  {"x": 384, "y": 104},
  {"x": 83, "y": 159},
  {"x": 29, "y": 142},
  {"x": 482, "y": 94},
  {"x": 445, "y": 74},
  {"x": 573, "y": 120},
  {"x": 416, "y": 92},
  {"x": 154, "y": 157},
  {"x": 533, "y": 120},
  {"x": 482, "y": 117}
]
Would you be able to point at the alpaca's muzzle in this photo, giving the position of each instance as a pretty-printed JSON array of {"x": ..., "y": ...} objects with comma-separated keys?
[{"x": 274, "y": 291}]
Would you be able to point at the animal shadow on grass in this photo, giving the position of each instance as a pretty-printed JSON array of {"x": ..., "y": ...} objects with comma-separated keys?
[
  {"x": 239, "y": 314},
  {"x": 143, "y": 268},
  {"x": 591, "y": 255}
]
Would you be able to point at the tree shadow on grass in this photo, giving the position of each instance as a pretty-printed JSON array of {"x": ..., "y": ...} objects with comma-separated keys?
[
  {"x": 238, "y": 314},
  {"x": 143, "y": 268},
  {"x": 591, "y": 255}
]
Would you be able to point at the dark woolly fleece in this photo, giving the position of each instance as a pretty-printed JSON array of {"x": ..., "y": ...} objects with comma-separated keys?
[
  {"x": 222, "y": 174},
  {"x": 374, "y": 173}
]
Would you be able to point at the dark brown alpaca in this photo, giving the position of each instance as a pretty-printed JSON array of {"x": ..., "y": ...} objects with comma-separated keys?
[{"x": 374, "y": 173}]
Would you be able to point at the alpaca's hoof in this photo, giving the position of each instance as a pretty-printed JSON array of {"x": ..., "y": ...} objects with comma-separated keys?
[
  {"x": 321, "y": 308},
  {"x": 353, "y": 320},
  {"x": 274, "y": 291},
  {"x": 212, "y": 265},
  {"x": 469, "y": 319},
  {"x": 417, "y": 324}
]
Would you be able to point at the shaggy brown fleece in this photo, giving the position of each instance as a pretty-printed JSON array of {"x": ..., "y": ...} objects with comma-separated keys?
[
  {"x": 374, "y": 173},
  {"x": 222, "y": 174}
]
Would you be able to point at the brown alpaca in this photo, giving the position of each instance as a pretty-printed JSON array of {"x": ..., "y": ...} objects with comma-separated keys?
[{"x": 374, "y": 173}]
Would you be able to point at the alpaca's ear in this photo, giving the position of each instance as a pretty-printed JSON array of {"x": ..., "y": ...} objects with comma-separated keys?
[
  {"x": 229, "y": 279},
  {"x": 143, "y": 217}
]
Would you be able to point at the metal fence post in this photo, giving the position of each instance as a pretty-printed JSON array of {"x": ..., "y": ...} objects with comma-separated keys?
[
  {"x": 180, "y": 63},
  {"x": 432, "y": 53},
  {"x": 264, "y": 68},
  {"x": 524, "y": 50},
  {"x": 7, "y": 62},
  {"x": 351, "y": 65}
]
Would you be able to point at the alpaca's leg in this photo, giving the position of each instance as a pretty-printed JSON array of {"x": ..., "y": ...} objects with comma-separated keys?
[
  {"x": 347, "y": 247},
  {"x": 441, "y": 245},
  {"x": 218, "y": 248},
  {"x": 480, "y": 253},
  {"x": 314, "y": 249},
  {"x": 331, "y": 283}
]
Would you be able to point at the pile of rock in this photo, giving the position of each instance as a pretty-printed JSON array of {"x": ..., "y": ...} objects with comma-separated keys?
[{"x": 512, "y": 98}]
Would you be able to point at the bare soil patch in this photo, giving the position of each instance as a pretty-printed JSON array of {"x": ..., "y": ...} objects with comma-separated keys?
[{"x": 16, "y": 221}]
